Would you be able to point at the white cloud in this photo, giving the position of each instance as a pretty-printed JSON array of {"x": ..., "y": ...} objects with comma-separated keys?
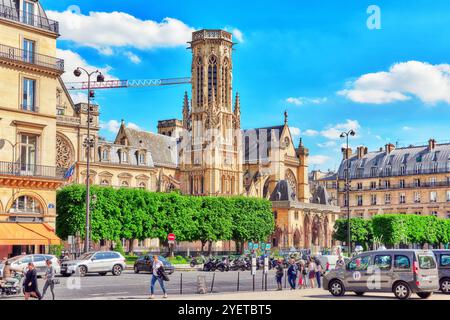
[
  {"x": 133, "y": 57},
  {"x": 299, "y": 101},
  {"x": 72, "y": 60},
  {"x": 318, "y": 159},
  {"x": 294, "y": 131},
  {"x": 334, "y": 132},
  {"x": 114, "y": 125},
  {"x": 427, "y": 82},
  {"x": 310, "y": 133},
  {"x": 107, "y": 30},
  {"x": 327, "y": 144},
  {"x": 238, "y": 35},
  {"x": 79, "y": 97},
  {"x": 406, "y": 128}
]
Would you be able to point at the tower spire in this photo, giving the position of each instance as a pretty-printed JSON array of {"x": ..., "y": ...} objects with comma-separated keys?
[
  {"x": 285, "y": 117},
  {"x": 186, "y": 112}
]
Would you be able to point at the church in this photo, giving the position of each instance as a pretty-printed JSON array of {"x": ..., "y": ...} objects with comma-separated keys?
[{"x": 205, "y": 153}]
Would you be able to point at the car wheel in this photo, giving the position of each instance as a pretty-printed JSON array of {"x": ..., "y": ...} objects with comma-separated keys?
[
  {"x": 402, "y": 291},
  {"x": 136, "y": 269},
  {"x": 337, "y": 288},
  {"x": 445, "y": 286},
  {"x": 117, "y": 270},
  {"x": 102, "y": 273},
  {"x": 82, "y": 270},
  {"x": 424, "y": 295},
  {"x": 358, "y": 293}
]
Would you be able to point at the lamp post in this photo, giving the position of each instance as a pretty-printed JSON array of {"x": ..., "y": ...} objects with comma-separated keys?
[
  {"x": 347, "y": 187},
  {"x": 13, "y": 146},
  {"x": 88, "y": 143}
]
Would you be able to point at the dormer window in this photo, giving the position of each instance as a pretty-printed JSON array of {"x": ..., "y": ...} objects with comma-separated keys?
[
  {"x": 28, "y": 12},
  {"x": 105, "y": 155},
  {"x": 123, "y": 156}
]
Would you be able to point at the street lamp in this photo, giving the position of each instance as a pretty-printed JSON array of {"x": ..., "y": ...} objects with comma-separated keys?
[
  {"x": 88, "y": 143},
  {"x": 347, "y": 187},
  {"x": 13, "y": 146}
]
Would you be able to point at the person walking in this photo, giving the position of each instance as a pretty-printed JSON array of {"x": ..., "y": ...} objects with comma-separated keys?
[
  {"x": 279, "y": 274},
  {"x": 302, "y": 275},
  {"x": 319, "y": 271},
  {"x": 30, "y": 283},
  {"x": 311, "y": 272},
  {"x": 49, "y": 277},
  {"x": 157, "y": 275},
  {"x": 292, "y": 274}
]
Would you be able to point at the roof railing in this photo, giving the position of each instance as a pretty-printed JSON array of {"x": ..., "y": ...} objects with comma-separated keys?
[{"x": 31, "y": 19}]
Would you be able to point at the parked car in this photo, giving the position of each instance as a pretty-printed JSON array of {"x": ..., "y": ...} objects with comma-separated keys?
[
  {"x": 399, "y": 271},
  {"x": 20, "y": 263},
  {"x": 145, "y": 263},
  {"x": 443, "y": 262},
  {"x": 100, "y": 262}
]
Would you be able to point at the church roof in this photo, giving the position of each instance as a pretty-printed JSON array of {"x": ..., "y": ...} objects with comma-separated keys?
[
  {"x": 414, "y": 159},
  {"x": 283, "y": 192},
  {"x": 162, "y": 148},
  {"x": 264, "y": 137}
]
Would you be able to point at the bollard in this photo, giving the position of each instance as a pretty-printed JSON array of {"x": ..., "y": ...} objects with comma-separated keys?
[
  {"x": 266, "y": 282},
  {"x": 262, "y": 282},
  {"x": 285, "y": 279},
  {"x": 238, "y": 281},
  {"x": 253, "y": 282},
  {"x": 212, "y": 283},
  {"x": 181, "y": 283}
]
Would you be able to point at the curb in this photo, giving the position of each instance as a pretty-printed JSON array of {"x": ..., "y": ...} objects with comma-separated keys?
[{"x": 177, "y": 268}]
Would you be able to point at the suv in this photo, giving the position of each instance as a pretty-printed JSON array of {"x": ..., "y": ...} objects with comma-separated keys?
[
  {"x": 399, "y": 271},
  {"x": 100, "y": 262},
  {"x": 443, "y": 261}
]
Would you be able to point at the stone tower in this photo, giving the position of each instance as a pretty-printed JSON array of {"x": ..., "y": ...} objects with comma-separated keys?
[{"x": 211, "y": 156}]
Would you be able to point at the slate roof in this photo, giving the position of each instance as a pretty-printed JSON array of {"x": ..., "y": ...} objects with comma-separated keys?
[
  {"x": 163, "y": 148},
  {"x": 321, "y": 196},
  {"x": 283, "y": 192},
  {"x": 415, "y": 160},
  {"x": 254, "y": 140}
]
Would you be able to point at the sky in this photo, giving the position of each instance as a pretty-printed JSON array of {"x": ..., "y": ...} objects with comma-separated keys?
[{"x": 382, "y": 71}]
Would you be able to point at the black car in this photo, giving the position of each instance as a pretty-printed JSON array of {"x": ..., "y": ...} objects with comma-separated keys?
[{"x": 145, "y": 262}]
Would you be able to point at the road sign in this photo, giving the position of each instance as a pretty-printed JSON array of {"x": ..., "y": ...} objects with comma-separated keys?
[
  {"x": 171, "y": 237},
  {"x": 255, "y": 246},
  {"x": 268, "y": 246},
  {"x": 266, "y": 264},
  {"x": 253, "y": 266},
  {"x": 250, "y": 245}
]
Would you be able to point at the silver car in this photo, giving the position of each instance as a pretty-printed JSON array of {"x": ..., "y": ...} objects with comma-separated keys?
[
  {"x": 401, "y": 272},
  {"x": 443, "y": 261},
  {"x": 100, "y": 262},
  {"x": 20, "y": 263}
]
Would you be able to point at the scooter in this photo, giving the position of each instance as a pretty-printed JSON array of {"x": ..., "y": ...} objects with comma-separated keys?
[
  {"x": 210, "y": 265},
  {"x": 223, "y": 265},
  {"x": 10, "y": 288}
]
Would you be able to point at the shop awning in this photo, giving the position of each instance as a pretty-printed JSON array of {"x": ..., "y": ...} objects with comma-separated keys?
[{"x": 13, "y": 233}]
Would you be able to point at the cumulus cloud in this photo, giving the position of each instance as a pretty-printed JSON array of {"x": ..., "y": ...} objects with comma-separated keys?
[
  {"x": 114, "y": 125},
  {"x": 299, "y": 101},
  {"x": 407, "y": 128},
  {"x": 327, "y": 144},
  {"x": 106, "y": 30},
  {"x": 79, "y": 97},
  {"x": 295, "y": 131},
  {"x": 333, "y": 132},
  {"x": 318, "y": 159},
  {"x": 133, "y": 57},
  {"x": 310, "y": 132},
  {"x": 238, "y": 35},
  {"x": 428, "y": 83}
]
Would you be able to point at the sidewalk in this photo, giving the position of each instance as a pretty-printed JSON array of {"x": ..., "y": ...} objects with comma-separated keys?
[{"x": 178, "y": 267}]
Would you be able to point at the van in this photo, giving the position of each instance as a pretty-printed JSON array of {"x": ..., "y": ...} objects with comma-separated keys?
[
  {"x": 402, "y": 272},
  {"x": 443, "y": 262}
]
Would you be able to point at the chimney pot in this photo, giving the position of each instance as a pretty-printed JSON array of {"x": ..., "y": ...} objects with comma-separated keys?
[
  {"x": 389, "y": 148},
  {"x": 431, "y": 144}
]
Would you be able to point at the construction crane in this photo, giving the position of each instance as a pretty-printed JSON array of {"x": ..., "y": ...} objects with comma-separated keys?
[{"x": 115, "y": 84}]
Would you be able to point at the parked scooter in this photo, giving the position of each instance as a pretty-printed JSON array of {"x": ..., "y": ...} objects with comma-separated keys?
[
  {"x": 223, "y": 265},
  {"x": 197, "y": 261},
  {"x": 10, "y": 288},
  {"x": 210, "y": 265}
]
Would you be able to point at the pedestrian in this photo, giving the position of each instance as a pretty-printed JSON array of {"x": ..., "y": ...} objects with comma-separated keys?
[
  {"x": 302, "y": 275},
  {"x": 311, "y": 272},
  {"x": 279, "y": 274},
  {"x": 292, "y": 274},
  {"x": 7, "y": 274},
  {"x": 30, "y": 283},
  {"x": 49, "y": 278},
  {"x": 319, "y": 271},
  {"x": 340, "y": 262},
  {"x": 157, "y": 275}
]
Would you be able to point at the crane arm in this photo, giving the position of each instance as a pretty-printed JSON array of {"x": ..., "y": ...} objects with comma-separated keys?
[{"x": 114, "y": 84}]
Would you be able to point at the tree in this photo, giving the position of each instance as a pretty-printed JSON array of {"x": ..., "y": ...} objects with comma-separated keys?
[{"x": 361, "y": 231}]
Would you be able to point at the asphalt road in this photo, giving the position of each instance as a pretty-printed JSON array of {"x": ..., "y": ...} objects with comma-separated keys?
[{"x": 136, "y": 286}]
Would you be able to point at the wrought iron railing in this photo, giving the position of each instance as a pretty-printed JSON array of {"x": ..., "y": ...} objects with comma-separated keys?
[
  {"x": 41, "y": 22},
  {"x": 25, "y": 56},
  {"x": 420, "y": 185},
  {"x": 31, "y": 170}
]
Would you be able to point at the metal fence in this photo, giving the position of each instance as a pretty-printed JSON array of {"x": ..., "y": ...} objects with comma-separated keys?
[{"x": 25, "y": 56}]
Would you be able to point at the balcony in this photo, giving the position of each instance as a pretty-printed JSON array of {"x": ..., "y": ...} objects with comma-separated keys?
[
  {"x": 36, "y": 21},
  {"x": 401, "y": 186},
  {"x": 17, "y": 55},
  {"x": 21, "y": 175}
]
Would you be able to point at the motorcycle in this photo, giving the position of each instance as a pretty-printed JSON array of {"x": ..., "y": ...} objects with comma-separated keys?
[
  {"x": 210, "y": 265},
  {"x": 238, "y": 264},
  {"x": 10, "y": 288},
  {"x": 223, "y": 265},
  {"x": 197, "y": 261}
]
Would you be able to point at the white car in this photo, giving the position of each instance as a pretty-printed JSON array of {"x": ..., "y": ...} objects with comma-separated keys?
[
  {"x": 100, "y": 262},
  {"x": 20, "y": 263}
]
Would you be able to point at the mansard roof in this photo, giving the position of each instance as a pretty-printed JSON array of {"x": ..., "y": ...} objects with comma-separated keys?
[{"x": 413, "y": 159}]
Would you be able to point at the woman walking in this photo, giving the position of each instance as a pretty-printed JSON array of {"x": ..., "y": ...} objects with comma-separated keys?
[
  {"x": 311, "y": 272},
  {"x": 157, "y": 275},
  {"x": 49, "y": 278},
  {"x": 279, "y": 274},
  {"x": 302, "y": 275},
  {"x": 318, "y": 273},
  {"x": 30, "y": 283}
]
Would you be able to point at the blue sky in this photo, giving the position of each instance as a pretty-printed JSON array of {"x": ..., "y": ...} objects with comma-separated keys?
[{"x": 317, "y": 59}]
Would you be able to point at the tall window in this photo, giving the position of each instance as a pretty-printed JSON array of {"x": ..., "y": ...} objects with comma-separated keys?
[
  {"x": 28, "y": 145},
  {"x": 432, "y": 181},
  {"x": 387, "y": 198},
  {"x": 29, "y": 95},
  {"x": 416, "y": 183},
  {"x": 373, "y": 199},
  {"x": 225, "y": 80},
  {"x": 403, "y": 170},
  {"x": 416, "y": 196},
  {"x": 359, "y": 200},
  {"x": 199, "y": 81},
  {"x": 448, "y": 195},
  {"x": 433, "y": 196},
  {"x": 28, "y": 50},
  {"x": 402, "y": 184},
  {"x": 402, "y": 198},
  {"x": 212, "y": 76},
  {"x": 373, "y": 171},
  {"x": 373, "y": 185},
  {"x": 141, "y": 158},
  {"x": 28, "y": 12}
]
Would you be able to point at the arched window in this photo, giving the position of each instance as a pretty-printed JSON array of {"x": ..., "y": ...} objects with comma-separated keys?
[
  {"x": 225, "y": 83},
  {"x": 105, "y": 155},
  {"x": 212, "y": 76},
  {"x": 199, "y": 81},
  {"x": 104, "y": 182},
  {"x": 141, "y": 158},
  {"x": 142, "y": 185},
  {"x": 26, "y": 204},
  {"x": 124, "y": 184}
]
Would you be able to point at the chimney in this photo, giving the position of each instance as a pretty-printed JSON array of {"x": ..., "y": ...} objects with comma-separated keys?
[
  {"x": 389, "y": 148},
  {"x": 346, "y": 153},
  {"x": 431, "y": 144},
  {"x": 361, "y": 151}
]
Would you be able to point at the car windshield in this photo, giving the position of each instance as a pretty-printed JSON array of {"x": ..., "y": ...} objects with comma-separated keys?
[
  {"x": 426, "y": 262},
  {"x": 86, "y": 256}
]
